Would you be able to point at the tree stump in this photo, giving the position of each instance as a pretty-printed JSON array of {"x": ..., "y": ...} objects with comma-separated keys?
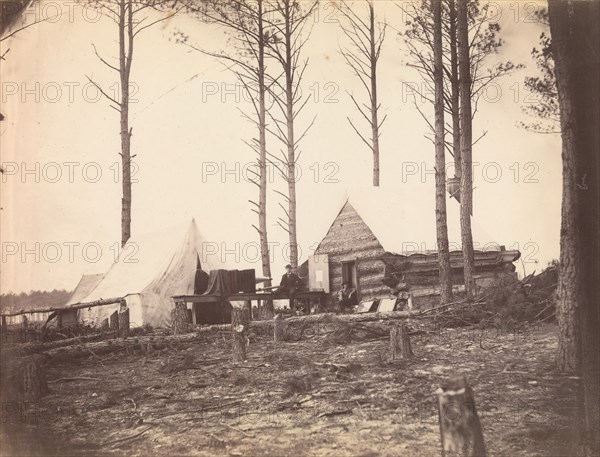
[
  {"x": 124, "y": 323},
  {"x": 104, "y": 325},
  {"x": 238, "y": 331},
  {"x": 280, "y": 328},
  {"x": 460, "y": 429},
  {"x": 400, "y": 347},
  {"x": 180, "y": 318},
  {"x": 114, "y": 322},
  {"x": 23, "y": 379}
]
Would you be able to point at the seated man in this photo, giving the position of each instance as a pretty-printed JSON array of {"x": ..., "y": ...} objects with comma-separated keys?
[
  {"x": 347, "y": 297},
  {"x": 290, "y": 282}
]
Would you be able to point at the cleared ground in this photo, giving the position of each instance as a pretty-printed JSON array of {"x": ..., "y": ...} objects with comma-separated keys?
[{"x": 306, "y": 398}]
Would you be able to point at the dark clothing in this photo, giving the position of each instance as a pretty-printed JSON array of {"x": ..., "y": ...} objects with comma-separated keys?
[
  {"x": 289, "y": 284},
  {"x": 290, "y": 280},
  {"x": 347, "y": 298}
]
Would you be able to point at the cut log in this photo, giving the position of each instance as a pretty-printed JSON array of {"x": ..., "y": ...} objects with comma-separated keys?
[
  {"x": 400, "y": 347},
  {"x": 460, "y": 429},
  {"x": 73, "y": 347},
  {"x": 280, "y": 328},
  {"x": 238, "y": 332},
  {"x": 124, "y": 324},
  {"x": 180, "y": 318}
]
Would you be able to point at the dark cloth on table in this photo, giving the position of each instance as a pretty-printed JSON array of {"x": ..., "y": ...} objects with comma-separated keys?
[
  {"x": 200, "y": 282},
  {"x": 218, "y": 283}
]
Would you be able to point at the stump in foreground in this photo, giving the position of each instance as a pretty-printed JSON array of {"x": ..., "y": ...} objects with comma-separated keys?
[
  {"x": 124, "y": 324},
  {"x": 400, "y": 347},
  {"x": 114, "y": 322},
  {"x": 238, "y": 332},
  {"x": 280, "y": 328},
  {"x": 460, "y": 429},
  {"x": 180, "y": 318},
  {"x": 23, "y": 379}
]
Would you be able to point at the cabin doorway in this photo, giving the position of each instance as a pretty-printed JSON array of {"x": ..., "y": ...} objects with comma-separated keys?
[{"x": 350, "y": 275}]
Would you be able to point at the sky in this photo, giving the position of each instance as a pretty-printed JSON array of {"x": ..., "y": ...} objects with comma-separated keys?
[{"x": 59, "y": 144}]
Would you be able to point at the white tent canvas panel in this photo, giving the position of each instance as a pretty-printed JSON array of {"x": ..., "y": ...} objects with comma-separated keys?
[{"x": 148, "y": 272}]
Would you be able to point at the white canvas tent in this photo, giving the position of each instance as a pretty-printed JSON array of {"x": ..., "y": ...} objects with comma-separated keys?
[
  {"x": 86, "y": 284},
  {"x": 148, "y": 272}
]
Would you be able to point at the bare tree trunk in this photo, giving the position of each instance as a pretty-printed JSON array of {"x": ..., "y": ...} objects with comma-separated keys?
[
  {"x": 125, "y": 58},
  {"x": 291, "y": 147},
  {"x": 238, "y": 332},
  {"x": 440, "y": 161},
  {"x": 262, "y": 159},
  {"x": 575, "y": 37},
  {"x": 460, "y": 428},
  {"x": 466, "y": 180},
  {"x": 288, "y": 21},
  {"x": 455, "y": 92},
  {"x": 362, "y": 54},
  {"x": 374, "y": 104}
]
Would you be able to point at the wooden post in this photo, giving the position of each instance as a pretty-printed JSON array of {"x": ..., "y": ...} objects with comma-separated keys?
[
  {"x": 124, "y": 323},
  {"x": 460, "y": 429},
  {"x": 180, "y": 318},
  {"x": 280, "y": 328},
  {"x": 59, "y": 320},
  {"x": 400, "y": 347},
  {"x": 248, "y": 305},
  {"x": 238, "y": 331}
]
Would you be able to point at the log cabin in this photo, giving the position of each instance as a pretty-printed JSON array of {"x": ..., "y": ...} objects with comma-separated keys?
[{"x": 373, "y": 238}]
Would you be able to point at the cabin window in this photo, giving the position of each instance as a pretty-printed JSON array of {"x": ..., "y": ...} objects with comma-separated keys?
[{"x": 350, "y": 273}]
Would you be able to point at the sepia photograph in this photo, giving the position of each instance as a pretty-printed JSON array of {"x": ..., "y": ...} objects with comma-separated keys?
[{"x": 300, "y": 228}]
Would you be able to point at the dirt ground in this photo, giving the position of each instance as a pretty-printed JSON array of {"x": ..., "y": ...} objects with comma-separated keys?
[{"x": 305, "y": 398}]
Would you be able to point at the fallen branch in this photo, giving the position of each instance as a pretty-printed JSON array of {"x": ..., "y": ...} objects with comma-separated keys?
[
  {"x": 80, "y": 378},
  {"x": 197, "y": 410},
  {"x": 237, "y": 430},
  {"x": 127, "y": 438}
]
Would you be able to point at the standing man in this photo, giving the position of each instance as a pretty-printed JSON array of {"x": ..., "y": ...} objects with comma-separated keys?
[{"x": 290, "y": 281}]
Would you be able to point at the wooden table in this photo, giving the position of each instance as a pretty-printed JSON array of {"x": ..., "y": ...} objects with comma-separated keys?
[{"x": 318, "y": 295}]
